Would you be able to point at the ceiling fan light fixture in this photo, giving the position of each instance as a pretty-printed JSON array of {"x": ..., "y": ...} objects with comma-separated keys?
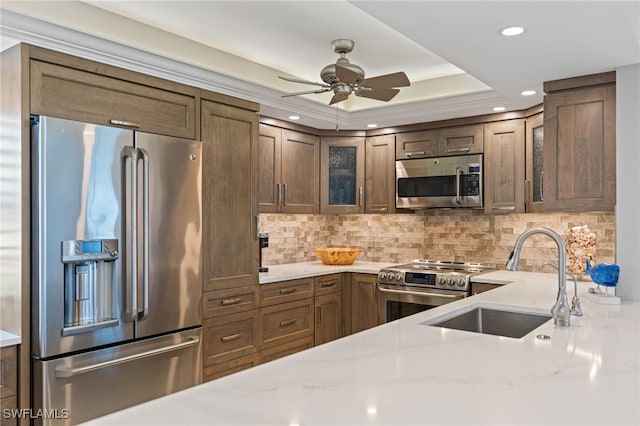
[{"x": 511, "y": 31}]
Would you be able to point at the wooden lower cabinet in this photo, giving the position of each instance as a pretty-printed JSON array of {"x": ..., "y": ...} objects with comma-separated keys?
[
  {"x": 8, "y": 382},
  {"x": 328, "y": 318},
  {"x": 286, "y": 322},
  {"x": 285, "y": 349},
  {"x": 364, "y": 302},
  {"x": 230, "y": 343}
]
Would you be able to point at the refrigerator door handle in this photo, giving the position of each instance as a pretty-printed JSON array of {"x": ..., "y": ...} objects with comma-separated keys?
[
  {"x": 145, "y": 234},
  {"x": 62, "y": 372},
  {"x": 131, "y": 279}
]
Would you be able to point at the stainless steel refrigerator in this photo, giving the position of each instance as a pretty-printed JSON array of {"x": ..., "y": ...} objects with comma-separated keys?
[{"x": 116, "y": 269}]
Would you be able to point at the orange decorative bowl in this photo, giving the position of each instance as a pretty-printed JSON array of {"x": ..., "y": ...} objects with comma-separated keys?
[{"x": 338, "y": 255}]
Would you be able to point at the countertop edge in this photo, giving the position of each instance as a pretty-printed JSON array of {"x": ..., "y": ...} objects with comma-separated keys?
[{"x": 9, "y": 339}]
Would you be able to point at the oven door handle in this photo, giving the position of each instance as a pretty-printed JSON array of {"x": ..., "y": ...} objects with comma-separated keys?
[{"x": 415, "y": 293}]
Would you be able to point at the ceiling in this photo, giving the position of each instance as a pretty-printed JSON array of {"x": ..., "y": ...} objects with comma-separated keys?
[{"x": 452, "y": 52}]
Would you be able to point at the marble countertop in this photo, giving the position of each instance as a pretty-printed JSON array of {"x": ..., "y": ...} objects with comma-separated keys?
[
  {"x": 409, "y": 373},
  {"x": 292, "y": 271},
  {"x": 8, "y": 339}
]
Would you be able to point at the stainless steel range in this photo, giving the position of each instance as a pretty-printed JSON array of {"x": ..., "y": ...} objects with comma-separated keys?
[{"x": 423, "y": 284}]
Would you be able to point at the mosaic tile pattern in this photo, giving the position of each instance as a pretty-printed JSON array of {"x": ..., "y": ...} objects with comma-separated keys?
[{"x": 461, "y": 235}]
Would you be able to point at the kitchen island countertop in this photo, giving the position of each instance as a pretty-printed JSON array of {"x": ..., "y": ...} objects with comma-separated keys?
[{"x": 406, "y": 372}]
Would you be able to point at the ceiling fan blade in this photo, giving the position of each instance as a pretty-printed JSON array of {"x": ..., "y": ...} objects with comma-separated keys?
[
  {"x": 338, "y": 97},
  {"x": 387, "y": 81},
  {"x": 345, "y": 75},
  {"x": 380, "y": 94},
  {"x": 295, "y": 80},
  {"x": 306, "y": 92}
]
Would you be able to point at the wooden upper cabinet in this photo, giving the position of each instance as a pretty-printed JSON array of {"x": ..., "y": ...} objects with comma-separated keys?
[
  {"x": 579, "y": 145},
  {"x": 419, "y": 144},
  {"x": 289, "y": 171},
  {"x": 460, "y": 140},
  {"x": 79, "y": 95},
  {"x": 534, "y": 167},
  {"x": 380, "y": 175},
  {"x": 229, "y": 188},
  {"x": 504, "y": 182},
  {"x": 342, "y": 175}
]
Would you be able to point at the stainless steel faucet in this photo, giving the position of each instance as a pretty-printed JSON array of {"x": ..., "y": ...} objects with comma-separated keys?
[{"x": 561, "y": 311}]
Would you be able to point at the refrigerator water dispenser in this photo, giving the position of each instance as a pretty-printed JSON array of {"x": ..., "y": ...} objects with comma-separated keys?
[{"x": 89, "y": 284}]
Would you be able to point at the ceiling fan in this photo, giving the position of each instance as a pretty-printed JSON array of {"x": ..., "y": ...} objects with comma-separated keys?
[{"x": 344, "y": 78}]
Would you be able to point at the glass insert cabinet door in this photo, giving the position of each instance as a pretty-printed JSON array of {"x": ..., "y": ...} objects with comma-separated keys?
[{"x": 342, "y": 175}]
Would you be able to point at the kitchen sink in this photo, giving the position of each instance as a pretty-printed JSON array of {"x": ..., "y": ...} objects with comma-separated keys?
[{"x": 494, "y": 321}]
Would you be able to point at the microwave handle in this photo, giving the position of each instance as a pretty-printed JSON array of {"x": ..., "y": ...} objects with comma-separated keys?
[{"x": 458, "y": 174}]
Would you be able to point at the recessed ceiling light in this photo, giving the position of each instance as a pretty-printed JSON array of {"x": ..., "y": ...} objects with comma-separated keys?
[
  {"x": 294, "y": 117},
  {"x": 512, "y": 31},
  {"x": 528, "y": 92},
  {"x": 499, "y": 108},
  {"x": 372, "y": 126}
]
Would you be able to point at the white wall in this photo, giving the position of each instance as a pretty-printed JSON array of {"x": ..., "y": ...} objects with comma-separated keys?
[{"x": 628, "y": 181}]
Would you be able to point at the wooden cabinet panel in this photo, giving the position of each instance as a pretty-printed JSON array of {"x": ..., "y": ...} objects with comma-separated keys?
[
  {"x": 229, "y": 367},
  {"x": 364, "y": 302},
  {"x": 270, "y": 165},
  {"x": 8, "y": 372},
  {"x": 327, "y": 284},
  {"x": 83, "y": 96},
  {"x": 286, "y": 291},
  {"x": 230, "y": 184},
  {"x": 224, "y": 302},
  {"x": 300, "y": 172},
  {"x": 417, "y": 144},
  {"x": 460, "y": 140},
  {"x": 328, "y": 318},
  {"x": 342, "y": 177},
  {"x": 289, "y": 171},
  {"x": 504, "y": 165},
  {"x": 579, "y": 149},
  {"x": 534, "y": 167},
  {"x": 229, "y": 337},
  {"x": 380, "y": 175},
  {"x": 286, "y": 322},
  {"x": 285, "y": 349}
]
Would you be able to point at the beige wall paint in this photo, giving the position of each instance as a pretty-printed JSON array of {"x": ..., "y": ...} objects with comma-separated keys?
[{"x": 461, "y": 235}]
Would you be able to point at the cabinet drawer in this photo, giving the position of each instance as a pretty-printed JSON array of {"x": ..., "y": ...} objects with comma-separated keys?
[
  {"x": 224, "y": 302},
  {"x": 8, "y": 371},
  {"x": 417, "y": 144},
  {"x": 286, "y": 322},
  {"x": 83, "y": 96},
  {"x": 286, "y": 349},
  {"x": 232, "y": 366},
  {"x": 461, "y": 140},
  {"x": 285, "y": 291},
  {"x": 230, "y": 337},
  {"x": 327, "y": 284}
]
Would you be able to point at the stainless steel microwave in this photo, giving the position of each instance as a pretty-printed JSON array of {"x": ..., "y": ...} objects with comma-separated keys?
[{"x": 444, "y": 182}]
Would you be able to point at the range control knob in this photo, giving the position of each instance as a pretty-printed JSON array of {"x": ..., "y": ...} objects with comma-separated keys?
[
  {"x": 442, "y": 281},
  {"x": 382, "y": 275},
  {"x": 451, "y": 281},
  {"x": 398, "y": 277},
  {"x": 461, "y": 282}
]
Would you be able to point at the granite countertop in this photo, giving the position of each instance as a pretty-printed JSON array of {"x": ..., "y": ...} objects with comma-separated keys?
[
  {"x": 8, "y": 339},
  {"x": 406, "y": 372},
  {"x": 292, "y": 271}
]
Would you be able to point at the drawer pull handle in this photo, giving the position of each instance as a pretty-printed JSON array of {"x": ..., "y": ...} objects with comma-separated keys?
[
  {"x": 231, "y": 301},
  {"x": 288, "y": 290},
  {"x": 459, "y": 149},
  {"x": 329, "y": 284},
  {"x": 410, "y": 154},
  {"x": 231, "y": 337},
  {"x": 124, "y": 123},
  {"x": 288, "y": 322}
]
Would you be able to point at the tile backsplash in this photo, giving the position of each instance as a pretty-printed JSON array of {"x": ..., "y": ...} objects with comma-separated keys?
[{"x": 461, "y": 235}]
